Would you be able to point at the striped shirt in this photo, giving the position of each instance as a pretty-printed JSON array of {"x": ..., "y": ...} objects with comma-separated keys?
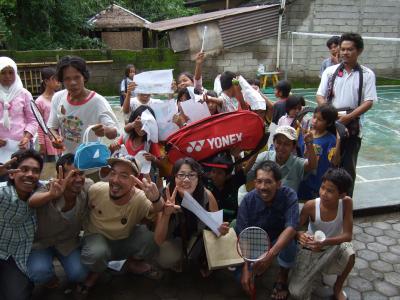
[{"x": 17, "y": 226}]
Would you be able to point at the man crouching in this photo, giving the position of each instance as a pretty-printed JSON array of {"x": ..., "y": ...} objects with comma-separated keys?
[{"x": 114, "y": 230}]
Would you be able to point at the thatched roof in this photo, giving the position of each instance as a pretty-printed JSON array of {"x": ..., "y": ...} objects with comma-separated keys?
[{"x": 115, "y": 16}]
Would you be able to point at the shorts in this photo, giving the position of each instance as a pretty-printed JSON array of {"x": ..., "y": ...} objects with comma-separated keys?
[{"x": 340, "y": 260}]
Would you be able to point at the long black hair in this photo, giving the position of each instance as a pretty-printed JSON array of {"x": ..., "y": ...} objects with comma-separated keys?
[
  {"x": 198, "y": 194},
  {"x": 46, "y": 74}
]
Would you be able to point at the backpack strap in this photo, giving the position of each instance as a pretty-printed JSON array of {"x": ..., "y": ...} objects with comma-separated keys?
[
  {"x": 260, "y": 145},
  {"x": 331, "y": 82}
]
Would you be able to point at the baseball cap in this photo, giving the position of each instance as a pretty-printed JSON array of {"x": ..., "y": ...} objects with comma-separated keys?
[
  {"x": 287, "y": 131},
  {"x": 124, "y": 157}
]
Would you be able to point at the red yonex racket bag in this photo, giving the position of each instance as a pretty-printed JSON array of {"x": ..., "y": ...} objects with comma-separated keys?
[{"x": 205, "y": 138}]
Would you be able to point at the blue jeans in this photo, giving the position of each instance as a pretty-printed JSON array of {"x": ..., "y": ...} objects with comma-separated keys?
[{"x": 41, "y": 269}]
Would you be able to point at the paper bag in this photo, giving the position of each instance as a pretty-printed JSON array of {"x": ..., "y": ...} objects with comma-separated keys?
[{"x": 221, "y": 252}]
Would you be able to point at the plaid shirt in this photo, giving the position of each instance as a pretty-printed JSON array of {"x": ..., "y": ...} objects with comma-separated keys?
[{"x": 17, "y": 226}]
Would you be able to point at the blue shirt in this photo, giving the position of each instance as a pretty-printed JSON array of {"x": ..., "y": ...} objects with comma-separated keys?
[
  {"x": 283, "y": 212},
  {"x": 324, "y": 147}
]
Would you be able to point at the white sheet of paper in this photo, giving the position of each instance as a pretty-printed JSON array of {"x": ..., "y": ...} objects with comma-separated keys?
[
  {"x": 195, "y": 110},
  {"x": 145, "y": 165},
  {"x": 165, "y": 111},
  {"x": 116, "y": 265},
  {"x": 212, "y": 219},
  {"x": 154, "y": 82},
  {"x": 6, "y": 151},
  {"x": 252, "y": 96},
  {"x": 149, "y": 126}
]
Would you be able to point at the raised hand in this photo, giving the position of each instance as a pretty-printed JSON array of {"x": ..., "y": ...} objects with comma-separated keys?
[
  {"x": 4, "y": 169},
  {"x": 200, "y": 57},
  {"x": 148, "y": 187},
  {"x": 169, "y": 205},
  {"x": 131, "y": 87},
  {"x": 58, "y": 185}
]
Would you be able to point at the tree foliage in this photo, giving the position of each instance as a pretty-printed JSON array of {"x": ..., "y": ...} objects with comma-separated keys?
[{"x": 53, "y": 24}]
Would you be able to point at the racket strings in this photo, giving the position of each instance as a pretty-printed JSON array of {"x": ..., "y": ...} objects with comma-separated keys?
[{"x": 253, "y": 243}]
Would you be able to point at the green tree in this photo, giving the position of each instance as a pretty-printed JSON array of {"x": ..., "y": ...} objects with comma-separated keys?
[
  {"x": 158, "y": 10},
  {"x": 52, "y": 24}
]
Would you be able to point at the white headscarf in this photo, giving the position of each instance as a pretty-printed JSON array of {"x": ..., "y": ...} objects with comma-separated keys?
[{"x": 7, "y": 94}]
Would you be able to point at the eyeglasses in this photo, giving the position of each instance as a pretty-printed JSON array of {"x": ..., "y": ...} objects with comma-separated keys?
[{"x": 190, "y": 176}]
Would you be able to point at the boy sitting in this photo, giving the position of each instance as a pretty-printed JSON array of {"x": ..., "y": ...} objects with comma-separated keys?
[{"x": 326, "y": 246}]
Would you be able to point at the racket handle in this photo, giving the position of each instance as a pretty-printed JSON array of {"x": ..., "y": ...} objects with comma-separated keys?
[{"x": 253, "y": 286}]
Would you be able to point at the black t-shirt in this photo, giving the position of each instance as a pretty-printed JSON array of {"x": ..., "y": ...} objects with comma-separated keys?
[{"x": 227, "y": 198}]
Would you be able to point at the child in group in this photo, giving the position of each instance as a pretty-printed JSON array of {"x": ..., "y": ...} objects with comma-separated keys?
[
  {"x": 293, "y": 106},
  {"x": 48, "y": 87},
  {"x": 186, "y": 79},
  {"x": 130, "y": 72},
  {"x": 326, "y": 247},
  {"x": 282, "y": 92},
  {"x": 211, "y": 103},
  {"x": 135, "y": 139},
  {"x": 231, "y": 96},
  {"x": 327, "y": 149}
]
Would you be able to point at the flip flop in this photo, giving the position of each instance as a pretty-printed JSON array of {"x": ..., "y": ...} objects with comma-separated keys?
[{"x": 279, "y": 287}]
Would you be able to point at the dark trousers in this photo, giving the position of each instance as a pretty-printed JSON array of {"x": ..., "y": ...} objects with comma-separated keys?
[
  {"x": 14, "y": 285},
  {"x": 349, "y": 152}
]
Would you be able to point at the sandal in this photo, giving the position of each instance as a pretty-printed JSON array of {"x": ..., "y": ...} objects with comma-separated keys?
[{"x": 278, "y": 289}]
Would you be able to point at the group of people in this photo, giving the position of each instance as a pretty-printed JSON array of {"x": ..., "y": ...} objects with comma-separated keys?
[{"x": 86, "y": 220}]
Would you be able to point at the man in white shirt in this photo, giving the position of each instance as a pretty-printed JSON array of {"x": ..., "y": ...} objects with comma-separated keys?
[{"x": 341, "y": 85}]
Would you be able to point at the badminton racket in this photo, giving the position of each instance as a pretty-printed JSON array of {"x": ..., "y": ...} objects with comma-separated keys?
[
  {"x": 41, "y": 122},
  {"x": 253, "y": 245}
]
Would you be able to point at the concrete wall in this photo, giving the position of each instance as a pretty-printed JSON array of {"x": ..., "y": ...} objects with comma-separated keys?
[{"x": 367, "y": 17}]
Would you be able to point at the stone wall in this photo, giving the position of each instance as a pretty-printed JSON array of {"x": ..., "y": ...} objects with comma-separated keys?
[{"x": 367, "y": 17}]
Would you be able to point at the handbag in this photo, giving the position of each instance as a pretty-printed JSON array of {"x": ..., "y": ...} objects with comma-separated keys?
[{"x": 91, "y": 155}]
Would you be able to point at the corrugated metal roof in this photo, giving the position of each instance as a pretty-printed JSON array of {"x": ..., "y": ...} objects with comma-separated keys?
[
  {"x": 242, "y": 29},
  {"x": 201, "y": 18}
]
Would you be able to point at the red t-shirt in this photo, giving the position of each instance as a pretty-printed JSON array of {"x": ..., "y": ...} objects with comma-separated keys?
[{"x": 154, "y": 147}]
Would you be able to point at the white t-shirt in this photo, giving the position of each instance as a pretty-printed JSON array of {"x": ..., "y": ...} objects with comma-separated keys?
[
  {"x": 135, "y": 103},
  {"x": 73, "y": 119},
  {"x": 345, "y": 88}
]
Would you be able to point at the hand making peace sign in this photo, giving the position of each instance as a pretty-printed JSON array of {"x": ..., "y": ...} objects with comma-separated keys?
[
  {"x": 58, "y": 185},
  {"x": 4, "y": 169},
  {"x": 169, "y": 205},
  {"x": 148, "y": 187}
]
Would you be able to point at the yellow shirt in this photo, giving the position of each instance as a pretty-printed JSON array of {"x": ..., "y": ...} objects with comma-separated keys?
[{"x": 115, "y": 222}]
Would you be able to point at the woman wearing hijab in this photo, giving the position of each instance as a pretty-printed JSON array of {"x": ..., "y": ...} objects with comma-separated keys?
[{"x": 17, "y": 122}]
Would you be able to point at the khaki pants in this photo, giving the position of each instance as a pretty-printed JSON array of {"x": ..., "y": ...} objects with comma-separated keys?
[{"x": 310, "y": 265}]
